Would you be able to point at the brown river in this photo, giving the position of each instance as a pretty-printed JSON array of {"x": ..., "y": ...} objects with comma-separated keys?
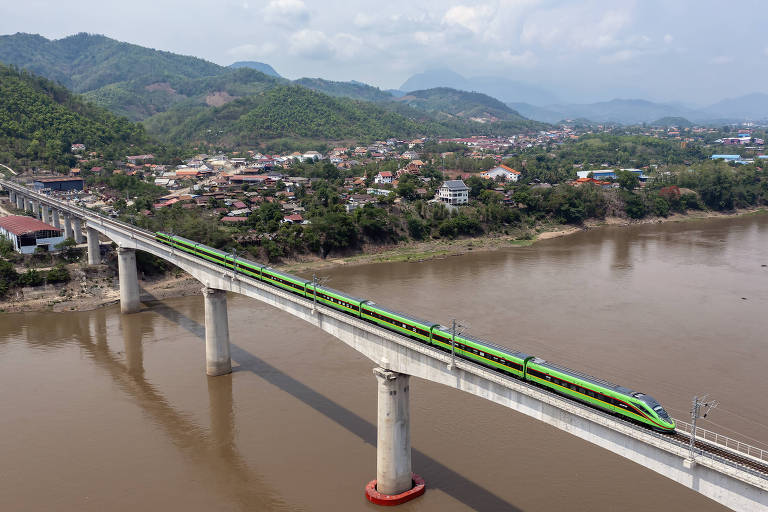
[{"x": 100, "y": 411}]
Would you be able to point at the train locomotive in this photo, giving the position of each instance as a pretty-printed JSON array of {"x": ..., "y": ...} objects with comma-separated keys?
[{"x": 621, "y": 401}]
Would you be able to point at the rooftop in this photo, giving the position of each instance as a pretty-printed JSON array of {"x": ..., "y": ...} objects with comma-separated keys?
[
  {"x": 455, "y": 185},
  {"x": 54, "y": 180},
  {"x": 21, "y": 225}
]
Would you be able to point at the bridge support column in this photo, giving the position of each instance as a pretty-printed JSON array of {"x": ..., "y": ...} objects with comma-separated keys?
[
  {"x": 77, "y": 228},
  {"x": 46, "y": 211},
  {"x": 129, "y": 280},
  {"x": 94, "y": 251},
  {"x": 56, "y": 220},
  {"x": 67, "y": 226},
  {"x": 35, "y": 209},
  {"x": 12, "y": 196},
  {"x": 395, "y": 483},
  {"x": 217, "y": 358},
  {"x": 19, "y": 202}
]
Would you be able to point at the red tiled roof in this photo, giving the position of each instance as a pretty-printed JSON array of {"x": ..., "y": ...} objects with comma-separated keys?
[
  {"x": 21, "y": 224},
  {"x": 234, "y": 219}
]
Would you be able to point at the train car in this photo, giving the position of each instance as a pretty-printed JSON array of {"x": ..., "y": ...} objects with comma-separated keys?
[
  {"x": 398, "y": 322},
  {"x": 596, "y": 392},
  {"x": 481, "y": 351},
  {"x": 285, "y": 281},
  {"x": 195, "y": 248},
  {"x": 334, "y": 299}
]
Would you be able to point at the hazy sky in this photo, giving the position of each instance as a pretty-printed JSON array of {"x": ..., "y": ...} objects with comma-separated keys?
[{"x": 693, "y": 51}]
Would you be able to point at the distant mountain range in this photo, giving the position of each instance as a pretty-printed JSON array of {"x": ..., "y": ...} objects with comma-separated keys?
[
  {"x": 539, "y": 104},
  {"x": 752, "y": 107},
  {"x": 166, "y": 90}
]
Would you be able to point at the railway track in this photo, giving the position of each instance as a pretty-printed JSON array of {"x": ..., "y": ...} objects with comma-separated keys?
[{"x": 704, "y": 446}]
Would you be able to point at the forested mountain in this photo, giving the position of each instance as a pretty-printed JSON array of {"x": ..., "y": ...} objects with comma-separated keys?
[
  {"x": 146, "y": 96},
  {"x": 354, "y": 90},
  {"x": 175, "y": 96},
  {"x": 288, "y": 111},
  {"x": 85, "y": 62},
  {"x": 451, "y": 103},
  {"x": 503, "y": 88},
  {"x": 40, "y": 120}
]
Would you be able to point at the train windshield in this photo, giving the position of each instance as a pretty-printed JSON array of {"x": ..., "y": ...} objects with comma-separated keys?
[{"x": 661, "y": 412}]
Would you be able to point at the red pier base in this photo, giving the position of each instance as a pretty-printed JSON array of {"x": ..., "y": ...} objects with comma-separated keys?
[{"x": 389, "y": 500}]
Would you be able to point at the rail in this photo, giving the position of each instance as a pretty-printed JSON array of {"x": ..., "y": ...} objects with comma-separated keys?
[{"x": 723, "y": 441}]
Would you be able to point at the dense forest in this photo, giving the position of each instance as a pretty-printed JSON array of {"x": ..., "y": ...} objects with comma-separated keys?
[
  {"x": 288, "y": 111},
  {"x": 39, "y": 121}
]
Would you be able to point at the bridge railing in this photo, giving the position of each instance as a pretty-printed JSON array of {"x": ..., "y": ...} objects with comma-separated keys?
[{"x": 726, "y": 442}]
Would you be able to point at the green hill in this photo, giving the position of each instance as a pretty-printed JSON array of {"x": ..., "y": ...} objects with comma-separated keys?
[
  {"x": 85, "y": 62},
  {"x": 287, "y": 111},
  {"x": 451, "y": 103},
  {"x": 143, "y": 97},
  {"x": 40, "y": 120}
]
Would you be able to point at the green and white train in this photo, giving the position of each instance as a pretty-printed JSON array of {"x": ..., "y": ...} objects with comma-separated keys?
[{"x": 598, "y": 393}]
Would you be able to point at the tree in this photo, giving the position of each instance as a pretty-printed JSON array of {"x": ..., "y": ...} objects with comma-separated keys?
[{"x": 627, "y": 180}]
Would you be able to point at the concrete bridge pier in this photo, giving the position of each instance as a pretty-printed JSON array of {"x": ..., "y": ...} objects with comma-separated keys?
[
  {"x": 129, "y": 280},
  {"x": 46, "y": 211},
  {"x": 395, "y": 483},
  {"x": 94, "y": 251},
  {"x": 217, "y": 358},
  {"x": 77, "y": 228},
  {"x": 12, "y": 196},
  {"x": 67, "y": 226},
  {"x": 19, "y": 202},
  {"x": 35, "y": 209},
  {"x": 56, "y": 220}
]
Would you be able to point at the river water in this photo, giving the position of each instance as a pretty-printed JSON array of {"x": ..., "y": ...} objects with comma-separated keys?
[{"x": 107, "y": 412}]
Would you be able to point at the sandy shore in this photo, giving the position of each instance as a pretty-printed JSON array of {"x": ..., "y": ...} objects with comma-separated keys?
[{"x": 85, "y": 293}]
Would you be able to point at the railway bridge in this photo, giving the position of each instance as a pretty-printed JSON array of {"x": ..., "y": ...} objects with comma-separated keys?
[{"x": 729, "y": 472}]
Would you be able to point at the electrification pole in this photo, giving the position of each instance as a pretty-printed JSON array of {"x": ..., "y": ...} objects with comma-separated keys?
[{"x": 696, "y": 413}]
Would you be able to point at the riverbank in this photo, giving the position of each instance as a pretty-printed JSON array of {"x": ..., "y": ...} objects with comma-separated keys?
[
  {"x": 85, "y": 293},
  {"x": 438, "y": 249}
]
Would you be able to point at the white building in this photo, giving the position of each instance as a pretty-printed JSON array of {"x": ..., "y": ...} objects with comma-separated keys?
[
  {"x": 383, "y": 177},
  {"x": 453, "y": 192},
  {"x": 27, "y": 233},
  {"x": 506, "y": 173}
]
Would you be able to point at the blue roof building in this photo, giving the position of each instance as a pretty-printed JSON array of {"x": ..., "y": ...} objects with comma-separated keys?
[{"x": 730, "y": 158}]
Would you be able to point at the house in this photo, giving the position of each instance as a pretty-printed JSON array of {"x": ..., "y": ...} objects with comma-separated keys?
[
  {"x": 27, "y": 233},
  {"x": 383, "y": 177},
  {"x": 312, "y": 156},
  {"x": 501, "y": 172},
  {"x": 293, "y": 219},
  {"x": 453, "y": 192},
  {"x": 76, "y": 148}
]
